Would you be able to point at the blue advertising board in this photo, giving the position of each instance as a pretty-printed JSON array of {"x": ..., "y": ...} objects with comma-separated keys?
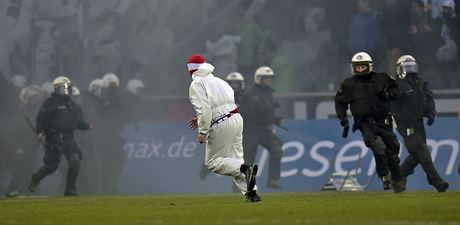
[{"x": 166, "y": 158}]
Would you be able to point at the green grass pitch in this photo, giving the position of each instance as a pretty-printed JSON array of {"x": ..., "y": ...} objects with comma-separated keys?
[{"x": 413, "y": 207}]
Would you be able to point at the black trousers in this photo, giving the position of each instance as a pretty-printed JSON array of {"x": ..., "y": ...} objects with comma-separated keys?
[
  {"x": 415, "y": 142},
  {"x": 380, "y": 138},
  {"x": 252, "y": 138},
  {"x": 54, "y": 149}
]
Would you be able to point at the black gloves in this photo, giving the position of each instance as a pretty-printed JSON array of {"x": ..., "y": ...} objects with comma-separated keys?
[
  {"x": 430, "y": 120},
  {"x": 278, "y": 120},
  {"x": 345, "y": 127},
  {"x": 384, "y": 94}
]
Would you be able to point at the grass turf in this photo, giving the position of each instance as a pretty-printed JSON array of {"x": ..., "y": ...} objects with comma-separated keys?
[{"x": 286, "y": 208}]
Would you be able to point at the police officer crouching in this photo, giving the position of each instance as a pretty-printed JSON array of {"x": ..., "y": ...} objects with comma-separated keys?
[
  {"x": 368, "y": 96},
  {"x": 415, "y": 101},
  {"x": 58, "y": 118}
]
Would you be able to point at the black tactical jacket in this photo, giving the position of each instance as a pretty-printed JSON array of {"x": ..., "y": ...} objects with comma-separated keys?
[
  {"x": 415, "y": 101},
  {"x": 59, "y": 114},
  {"x": 368, "y": 96},
  {"x": 258, "y": 107}
]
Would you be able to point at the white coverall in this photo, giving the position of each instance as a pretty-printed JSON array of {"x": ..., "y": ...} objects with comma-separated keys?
[{"x": 212, "y": 98}]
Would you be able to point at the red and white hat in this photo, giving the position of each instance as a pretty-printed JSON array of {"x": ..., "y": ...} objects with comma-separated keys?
[{"x": 194, "y": 62}]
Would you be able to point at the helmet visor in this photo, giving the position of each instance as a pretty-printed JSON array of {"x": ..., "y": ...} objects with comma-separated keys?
[
  {"x": 409, "y": 67},
  {"x": 236, "y": 85},
  {"x": 267, "y": 80},
  {"x": 63, "y": 89}
]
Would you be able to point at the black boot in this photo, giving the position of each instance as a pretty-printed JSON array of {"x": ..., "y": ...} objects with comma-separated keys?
[
  {"x": 40, "y": 174},
  {"x": 271, "y": 183},
  {"x": 33, "y": 184},
  {"x": 398, "y": 186},
  {"x": 386, "y": 181},
  {"x": 252, "y": 196},
  {"x": 441, "y": 186}
]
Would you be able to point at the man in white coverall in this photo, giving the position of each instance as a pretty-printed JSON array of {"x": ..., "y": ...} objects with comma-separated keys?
[{"x": 220, "y": 126}]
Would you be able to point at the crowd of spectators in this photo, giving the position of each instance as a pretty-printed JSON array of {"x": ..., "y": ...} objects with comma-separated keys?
[{"x": 308, "y": 43}]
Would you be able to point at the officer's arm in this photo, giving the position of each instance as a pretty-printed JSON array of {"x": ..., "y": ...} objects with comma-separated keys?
[
  {"x": 82, "y": 125},
  {"x": 256, "y": 107},
  {"x": 393, "y": 89},
  {"x": 342, "y": 100},
  {"x": 430, "y": 107},
  {"x": 242, "y": 103},
  {"x": 44, "y": 115}
]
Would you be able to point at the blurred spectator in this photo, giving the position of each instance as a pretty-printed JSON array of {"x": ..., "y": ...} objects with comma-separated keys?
[
  {"x": 224, "y": 53},
  {"x": 447, "y": 53},
  {"x": 148, "y": 39},
  {"x": 41, "y": 38},
  {"x": 104, "y": 48},
  {"x": 285, "y": 73},
  {"x": 450, "y": 29},
  {"x": 365, "y": 34},
  {"x": 45, "y": 63},
  {"x": 310, "y": 53},
  {"x": 395, "y": 28},
  {"x": 321, "y": 53},
  {"x": 253, "y": 38},
  {"x": 55, "y": 10},
  {"x": 423, "y": 40},
  {"x": 58, "y": 38},
  {"x": 457, "y": 8},
  {"x": 434, "y": 7},
  {"x": 14, "y": 36}
]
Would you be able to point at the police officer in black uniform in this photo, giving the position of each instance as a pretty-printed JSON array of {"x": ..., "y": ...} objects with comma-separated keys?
[
  {"x": 236, "y": 81},
  {"x": 414, "y": 103},
  {"x": 368, "y": 95},
  {"x": 57, "y": 119},
  {"x": 258, "y": 110}
]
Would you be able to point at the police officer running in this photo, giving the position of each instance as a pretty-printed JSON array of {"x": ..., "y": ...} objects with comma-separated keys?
[
  {"x": 368, "y": 95},
  {"x": 57, "y": 119},
  {"x": 414, "y": 103},
  {"x": 258, "y": 110}
]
